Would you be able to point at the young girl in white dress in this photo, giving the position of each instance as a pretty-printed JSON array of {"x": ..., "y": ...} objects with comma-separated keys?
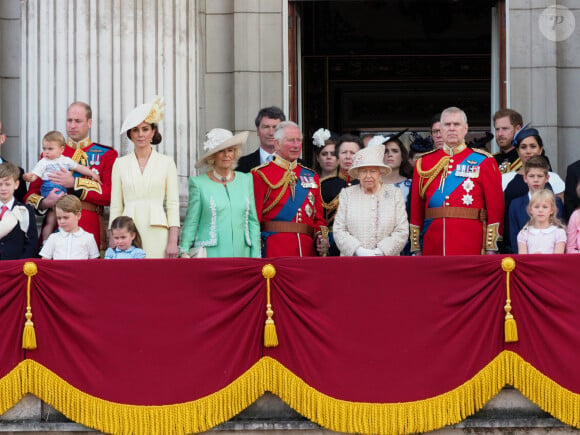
[{"x": 544, "y": 233}]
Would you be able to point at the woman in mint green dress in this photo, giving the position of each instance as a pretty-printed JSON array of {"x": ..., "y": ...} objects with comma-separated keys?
[{"x": 221, "y": 216}]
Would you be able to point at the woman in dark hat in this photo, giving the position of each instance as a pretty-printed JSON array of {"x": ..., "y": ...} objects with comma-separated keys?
[{"x": 528, "y": 143}]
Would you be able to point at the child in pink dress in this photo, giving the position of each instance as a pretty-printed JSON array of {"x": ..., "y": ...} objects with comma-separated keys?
[
  {"x": 573, "y": 233},
  {"x": 544, "y": 233}
]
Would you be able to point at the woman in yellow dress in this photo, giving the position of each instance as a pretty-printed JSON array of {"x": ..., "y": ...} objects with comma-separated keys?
[{"x": 144, "y": 180}]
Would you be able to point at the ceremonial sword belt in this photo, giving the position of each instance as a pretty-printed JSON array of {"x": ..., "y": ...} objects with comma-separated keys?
[
  {"x": 287, "y": 227},
  {"x": 456, "y": 212}
]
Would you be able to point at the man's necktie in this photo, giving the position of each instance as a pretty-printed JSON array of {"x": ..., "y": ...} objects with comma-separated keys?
[{"x": 4, "y": 209}]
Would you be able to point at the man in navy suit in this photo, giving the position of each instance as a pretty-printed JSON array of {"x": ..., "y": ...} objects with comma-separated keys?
[
  {"x": 18, "y": 234},
  {"x": 21, "y": 191},
  {"x": 266, "y": 121}
]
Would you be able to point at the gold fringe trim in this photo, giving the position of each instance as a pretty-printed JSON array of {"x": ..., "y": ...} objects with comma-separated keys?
[
  {"x": 270, "y": 375},
  {"x": 190, "y": 417},
  {"x": 12, "y": 387},
  {"x": 543, "y": 391}
]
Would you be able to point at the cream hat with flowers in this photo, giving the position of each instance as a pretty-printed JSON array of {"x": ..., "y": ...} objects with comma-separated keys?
[
  {"x": 150, "y": 113},
  {"x": 369, "y": 156},
  {"x": 219, "y": 139}
]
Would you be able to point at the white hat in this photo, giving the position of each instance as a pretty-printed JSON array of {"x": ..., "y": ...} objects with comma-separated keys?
[
  {"x": 219, "y": 139},
  {"x": 369, "y": 156},
  {"x": 151, "y": 113},
  {"x": 377, "y": 140}
]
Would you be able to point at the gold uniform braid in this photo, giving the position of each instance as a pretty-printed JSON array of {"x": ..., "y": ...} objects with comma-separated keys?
[
  {"x": 288, "y": 178},
  {"x": 432, "y": 173}
]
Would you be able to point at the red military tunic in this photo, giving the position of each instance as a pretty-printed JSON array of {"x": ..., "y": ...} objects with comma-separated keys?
[
  {"x": 273, "y": 183},
  {"x": 450, "y": 189},
  {"x": 95, "y": 196}
]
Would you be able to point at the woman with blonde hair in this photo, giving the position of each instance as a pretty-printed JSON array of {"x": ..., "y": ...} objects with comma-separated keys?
[{"x": 221, "y": 216}]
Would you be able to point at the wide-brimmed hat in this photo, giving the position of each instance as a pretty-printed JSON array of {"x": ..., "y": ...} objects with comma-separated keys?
[
  {"x": 151, "y": 113},
  {"x": 369, "y": 156},
  {"x": 219, "y": 139}
]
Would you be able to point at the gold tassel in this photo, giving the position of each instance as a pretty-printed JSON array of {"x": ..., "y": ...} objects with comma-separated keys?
[
  {"x": 29, "y": 335},
  {"x": 508, "y": 264},
  {"x": 270, "y": 334}
]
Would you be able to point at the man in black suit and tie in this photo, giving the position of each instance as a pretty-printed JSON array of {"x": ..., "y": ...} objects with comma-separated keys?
[
  {"x": 266, "y": 121},
  {"x": 21, "y": 191}
]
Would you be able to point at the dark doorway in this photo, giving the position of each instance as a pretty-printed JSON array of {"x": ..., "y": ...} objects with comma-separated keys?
[{"x": 388, "y": 65}]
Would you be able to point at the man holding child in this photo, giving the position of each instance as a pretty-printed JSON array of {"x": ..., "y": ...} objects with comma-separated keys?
[{"x": 94, "y": 195}]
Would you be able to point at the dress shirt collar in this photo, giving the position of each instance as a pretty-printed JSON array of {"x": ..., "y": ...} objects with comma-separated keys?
[
  {"x": 9, "y": 204},
  {"x": 126, "y": 251},
  {"x": 264, "y": 156},
  {"x": 66, "y": 234}
]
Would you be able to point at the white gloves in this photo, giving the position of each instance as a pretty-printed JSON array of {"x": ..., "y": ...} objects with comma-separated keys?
[{"x": 363, "y": 252}]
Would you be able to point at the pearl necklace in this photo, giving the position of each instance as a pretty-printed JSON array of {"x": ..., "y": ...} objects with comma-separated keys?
[{"x": 223, "y": 179}]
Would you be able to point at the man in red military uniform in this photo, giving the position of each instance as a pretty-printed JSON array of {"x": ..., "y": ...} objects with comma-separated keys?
[
  {"x": 457, "y": 199},
  {"x": 288, "y": 200},
  {"x": 93, "y": 195}
]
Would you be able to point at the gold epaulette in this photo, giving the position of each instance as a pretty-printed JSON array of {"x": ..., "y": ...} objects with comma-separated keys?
[
  {"x": 263, "y": 165},
  {"x": 481, "y": 151},
  {"x": 306, "y": 167}
]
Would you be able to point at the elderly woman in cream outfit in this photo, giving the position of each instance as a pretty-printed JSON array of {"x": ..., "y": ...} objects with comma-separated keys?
[
  {"x": 144, "y": 180},
  {"x": 371, "y": 218}
]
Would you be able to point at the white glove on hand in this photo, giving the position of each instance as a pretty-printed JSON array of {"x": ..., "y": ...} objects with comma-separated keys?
[
  {"x": 378, "y": 252},
  {"x": 363, "y": 252}
]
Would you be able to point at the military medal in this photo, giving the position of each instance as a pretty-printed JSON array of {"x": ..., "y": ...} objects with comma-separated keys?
[
  {"x": 467, "y": 199},
  {"x": 310, "y": 198},
  {"x": 468, "y": 185},
  {"x": 308, "y": 210}
]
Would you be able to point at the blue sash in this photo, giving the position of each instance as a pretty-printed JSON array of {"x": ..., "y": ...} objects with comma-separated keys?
[{"x": 452, "y": 182}]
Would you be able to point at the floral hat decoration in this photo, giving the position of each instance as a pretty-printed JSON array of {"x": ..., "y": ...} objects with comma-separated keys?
[
  {"x": 219, "y": 139},
  {"x": 151, "y": 113},
  {"x": 320, "y": 136}
]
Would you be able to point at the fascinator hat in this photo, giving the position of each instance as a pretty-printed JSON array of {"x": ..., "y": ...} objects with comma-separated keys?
[
  {"x": 320, "y": 136},
  {"x": 219, "y": 139},
  {"x": 420, "y": 144},
  {"x": 373, "y": 156},
  {"x": 151, "y": 113},
  {"x": 379, "y": 139},
  {"x": 523, "y": 133}
]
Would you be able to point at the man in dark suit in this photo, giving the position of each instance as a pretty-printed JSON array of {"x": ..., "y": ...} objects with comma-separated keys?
[
  {"x": 266, "y": 121},
  {"x": 571, "y": 200},
  {"x": 21, "y": 191}
]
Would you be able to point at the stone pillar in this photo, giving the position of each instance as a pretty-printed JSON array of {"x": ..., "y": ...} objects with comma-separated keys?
[
  {"x": 545, "y": 79},
  {"x": 10, "y": 78},
  {"x": 243, "y": 59}
]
